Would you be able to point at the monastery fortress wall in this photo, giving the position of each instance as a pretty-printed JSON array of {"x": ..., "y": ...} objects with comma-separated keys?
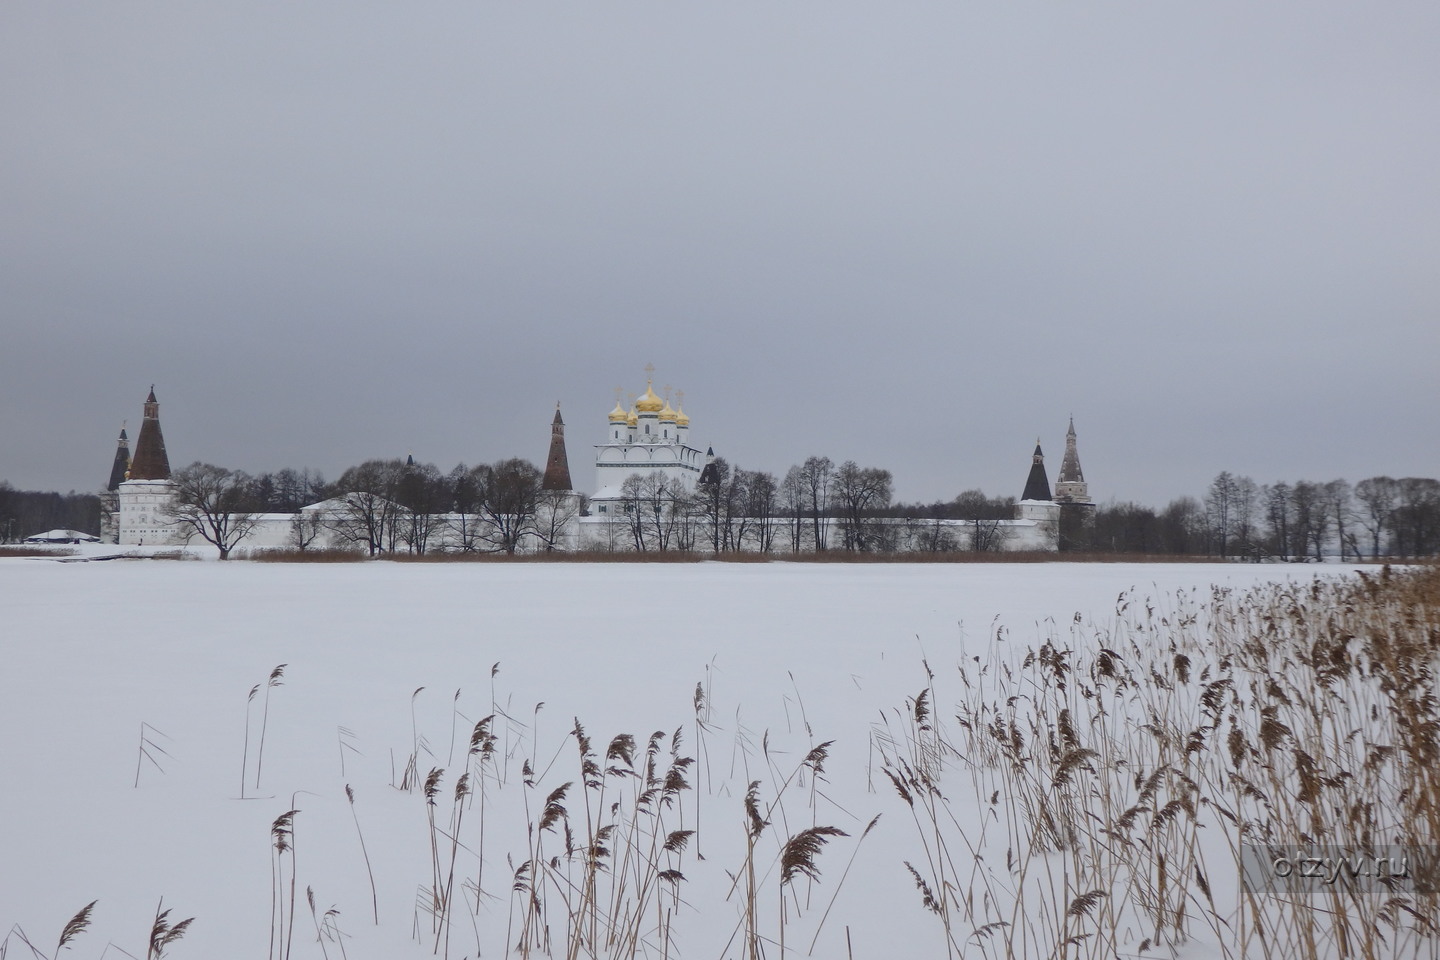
[{"x": 645, "y": 468}]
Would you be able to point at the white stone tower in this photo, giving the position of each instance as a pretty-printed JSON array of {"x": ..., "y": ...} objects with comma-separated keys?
[
  {"x": 147, "y": 490},
  {"x": 1070, "y": 486}
]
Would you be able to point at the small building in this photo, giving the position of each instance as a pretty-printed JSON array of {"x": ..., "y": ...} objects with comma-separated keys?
[{"x": 62, "y": 536}]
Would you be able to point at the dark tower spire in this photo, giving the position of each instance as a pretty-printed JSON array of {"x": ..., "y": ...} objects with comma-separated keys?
[
  {"x": 150, "y": 462},
  {"x": 121, "y": 466},
  {"x": 1037, "y": 485},
  {"x": 557, "y": 464}
]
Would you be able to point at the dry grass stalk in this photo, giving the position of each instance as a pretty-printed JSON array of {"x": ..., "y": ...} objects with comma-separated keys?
[
  {"x": 275, "y": 679},
  {"x": 148, "y": 749},
  {"x": 369, "y": 872},
  {"x": 75, "y": 926},
  {"x": 163, "y": 932}
]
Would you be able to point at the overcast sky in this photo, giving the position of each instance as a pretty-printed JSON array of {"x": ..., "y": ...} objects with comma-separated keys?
[{"x": 916, "y": 235}]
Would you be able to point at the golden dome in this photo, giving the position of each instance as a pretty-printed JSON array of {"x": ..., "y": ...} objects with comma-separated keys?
[
  {"x": 681, "y": 419},
  {"x": 649, "y": 403},
  {"x": 667, "y": 415},
  {"x": 618, "y": 415},
  {"x": 632, "y": 419}
]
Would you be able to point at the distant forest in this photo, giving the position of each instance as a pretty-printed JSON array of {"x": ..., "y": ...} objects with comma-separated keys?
[
  {"x": 1236, "y": 517},
  {"x": 24, "y": 513}
]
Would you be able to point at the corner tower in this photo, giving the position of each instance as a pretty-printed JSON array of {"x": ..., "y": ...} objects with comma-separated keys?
[
  {"x": 151, "y": 462},
  {"x": 1037, "y": 485},
  {"x": 557, "y": 464},
  {"x": 1070, "y": 486},
  {"x": 120, "y": 466},
  {"x": 1077, "y": 510},
  {"x": 110, "y": 498},
  {"x": 146, "y": 492}
]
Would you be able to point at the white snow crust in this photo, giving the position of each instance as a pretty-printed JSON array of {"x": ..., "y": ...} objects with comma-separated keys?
[{"x": 791, "y": 654}]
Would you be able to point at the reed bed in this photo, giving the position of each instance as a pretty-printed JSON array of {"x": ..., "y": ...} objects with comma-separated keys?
[{"x": 1127, "y": 776}]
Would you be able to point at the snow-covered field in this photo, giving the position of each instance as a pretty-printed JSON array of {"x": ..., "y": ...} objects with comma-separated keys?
[{"x": 99, "y": 658}]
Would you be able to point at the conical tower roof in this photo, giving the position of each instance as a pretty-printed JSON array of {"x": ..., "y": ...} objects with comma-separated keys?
[
  {"x": 121, "y": 465},
  {"x": 1037, "y": 485},
  {"x": 150, "y": 461},
  {"x": 710, "y": 473},
  {"x": 557, "y": 464}
]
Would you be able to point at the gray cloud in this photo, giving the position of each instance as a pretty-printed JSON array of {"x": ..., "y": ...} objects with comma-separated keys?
[{"x": 915, "y": 235}]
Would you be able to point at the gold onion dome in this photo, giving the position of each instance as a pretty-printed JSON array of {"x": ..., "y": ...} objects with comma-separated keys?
[
  {"x": 681, "y": 419},
  {"x": 649, "y": 403},
  {"x": 618, "y": 415},
  {"x": 631, "y": 418},
  {"x": 667, "y": 414}
]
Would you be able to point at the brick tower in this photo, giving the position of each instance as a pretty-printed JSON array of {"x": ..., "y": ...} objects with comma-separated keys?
[{"x": 557, "y": 464}]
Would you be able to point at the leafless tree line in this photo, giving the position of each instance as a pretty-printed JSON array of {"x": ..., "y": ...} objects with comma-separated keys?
[
  {"x": 393, "y": 506},
  {"x": 817, "y": 507},
  {"x": 381, "y": 506},
  {"x": 1376, "y": 517}
]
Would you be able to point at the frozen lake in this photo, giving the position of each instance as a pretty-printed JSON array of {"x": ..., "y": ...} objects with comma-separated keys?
[{"x": 790, "y": 654}]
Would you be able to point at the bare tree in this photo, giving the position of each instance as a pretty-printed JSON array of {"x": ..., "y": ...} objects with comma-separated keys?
[
  {"x": 466, "y": 491},
  {"x": 1310, "y": 523},
  {"x": 214, "y": 503},
  {"x": 861, "y": 491},
  {"x": 1277, "y": 516},
  {"x": 988, "y": 535},
  {"x": 1247, "y": 499},
  {"x": 816, "y": 476},
  {"x": 984, "y": 518},
  {"x": 363, "y": 510},
  {"x": 761, "y": 497},
  {"x": 632, "y": 502},
  {"x": 714, "y": 502},
  {"x": 932, "y": 535},
  {"x": 555, "y": 511},
  {"x": 1127, "y": 527},
  {"x": 1182, "y": 526},
  {"x": 653, "y": 506},
  {"x": 1417, "y": 516},
  {"x": 1337, "y": 500},
  {"x": 1377, "y": 497},
  {"x": 306, "y": 526},
  {"x": 792, "y": 506},
  {"x": 425, "y": 497},
  {"x": 1219, "y": 509},
  {"x": 510, "y": 497},
  {"x": 984, "y": 515}
]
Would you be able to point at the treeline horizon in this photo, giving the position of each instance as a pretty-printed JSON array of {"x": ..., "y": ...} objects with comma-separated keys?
[{"x": 1235, "y": 517}]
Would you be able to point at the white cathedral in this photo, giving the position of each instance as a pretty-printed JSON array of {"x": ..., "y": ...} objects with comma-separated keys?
[
  {"x": 646, "y": 455},
  {"x": 650, "y": 439}
]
